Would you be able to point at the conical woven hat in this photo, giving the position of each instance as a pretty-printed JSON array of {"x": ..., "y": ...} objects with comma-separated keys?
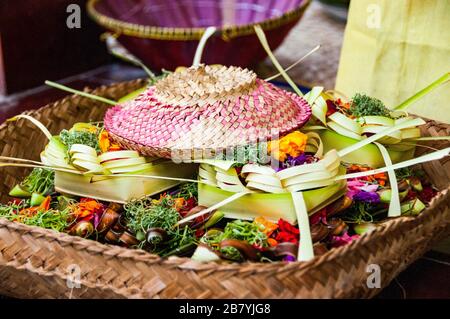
[{"x": 203, "y": 110}]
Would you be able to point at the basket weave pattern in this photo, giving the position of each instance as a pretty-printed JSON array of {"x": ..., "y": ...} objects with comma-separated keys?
[{"x": 35, "y": 262}]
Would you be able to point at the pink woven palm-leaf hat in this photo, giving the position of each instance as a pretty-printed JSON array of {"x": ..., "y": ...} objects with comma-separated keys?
[{"x": 203, "y": 110}]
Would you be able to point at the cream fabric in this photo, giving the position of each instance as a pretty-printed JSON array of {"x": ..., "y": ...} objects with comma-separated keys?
[{"x": 392, "y": 49}]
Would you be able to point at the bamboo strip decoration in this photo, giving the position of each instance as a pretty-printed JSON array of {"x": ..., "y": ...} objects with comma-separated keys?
[
  {"x": 203, "y": 110},
  {"x": 37, "y": 262}
]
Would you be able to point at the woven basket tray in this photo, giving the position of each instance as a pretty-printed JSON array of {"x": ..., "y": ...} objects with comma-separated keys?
[{"x": 36, "y": 262}]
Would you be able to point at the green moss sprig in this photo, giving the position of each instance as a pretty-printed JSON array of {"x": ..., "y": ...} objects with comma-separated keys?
[
  {"x": 188, "y": 190},
  {"x": 245, "y": 231},
  {"x": 50, "y": 219},
  {"x": 10, "y": 211},
  {"x": 70, "y": 138},
  {"x": 364, "y": 105},
  {"x": 239, "y": 230},
  {"x": 251, "y": 153},
  {"x": 143, "y": 214},
  {"x": 40, "y": 181}
]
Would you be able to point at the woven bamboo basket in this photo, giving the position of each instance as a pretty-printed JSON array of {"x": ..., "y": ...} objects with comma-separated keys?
[{"x": 37, "y": 263}]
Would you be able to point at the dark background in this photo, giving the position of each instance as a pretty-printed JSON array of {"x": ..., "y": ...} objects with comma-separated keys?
[{"x": 36, "y": 44}]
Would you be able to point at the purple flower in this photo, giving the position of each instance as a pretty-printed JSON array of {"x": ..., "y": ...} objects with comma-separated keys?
[
  {"x": 368, "y": 197},
  {"x": 289, "y": 258},
  {"x": 355, "y": 186},
  {"x": 296, "y": 161},
  {"x": 174, "y": 192}
]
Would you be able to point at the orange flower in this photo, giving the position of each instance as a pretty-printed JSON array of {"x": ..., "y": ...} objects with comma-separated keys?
[
  {"x": 44, "y": 206},
  {"x": 272, "y": 242},
  {"x": 265, "y": 226},
  {"x": 381, "y": 178},
  {"x": 103, "y": 141},
  {"x": 114, "y": 147},
  {"x": 179, "y": 203},
  {"x": 286, "y": 146},
  {"x": 292, "y": 144},
  {"x": 86, "y": 208}
]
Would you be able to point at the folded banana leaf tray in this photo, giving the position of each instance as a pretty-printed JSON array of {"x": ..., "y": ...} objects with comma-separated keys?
[{"x": 38, "y": 263}]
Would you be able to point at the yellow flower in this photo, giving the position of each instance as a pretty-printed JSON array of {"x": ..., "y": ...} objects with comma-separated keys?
[
  {"x": 292, "y": 144},
  {"x": 286, "y": 146},
  {"x": 298, "y": 139},
  {"x": 103, "y": 141},
  {"x": 178, "y": 203}
]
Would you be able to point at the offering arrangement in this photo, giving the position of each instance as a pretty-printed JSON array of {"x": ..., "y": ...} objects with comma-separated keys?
[{"x": 210, "y": 166}]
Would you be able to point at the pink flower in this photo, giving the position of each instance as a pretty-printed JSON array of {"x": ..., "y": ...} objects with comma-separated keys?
[
  {"x": 355, "y": 186},
  {"x": 343, "y": 240},
  {"x": 370, "y": 188}
]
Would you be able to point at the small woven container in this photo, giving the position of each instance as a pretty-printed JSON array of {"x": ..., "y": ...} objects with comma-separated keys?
[
  {"x": 36, "y": 262},
  {"x": 205, "y": 110}
]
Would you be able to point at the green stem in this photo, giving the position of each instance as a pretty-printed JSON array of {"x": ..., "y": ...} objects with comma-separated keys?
[
  {"x": 423, "y": 92},
  {"x": 150, "y": 74},
  {"x": 262, "y": 38},
  {"x": 139, "y": 63},
  {"x": 81, "y": 93}
]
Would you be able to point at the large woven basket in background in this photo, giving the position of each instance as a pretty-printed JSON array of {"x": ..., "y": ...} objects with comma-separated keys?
[
  {"x": 165, "y": 34},
  {"x": 36, "y": 262}
]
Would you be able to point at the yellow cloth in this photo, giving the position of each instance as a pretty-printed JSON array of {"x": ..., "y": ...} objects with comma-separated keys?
[{"x": 394, "y": 48}]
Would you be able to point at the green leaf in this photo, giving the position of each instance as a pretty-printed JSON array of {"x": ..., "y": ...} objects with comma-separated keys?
[
  {"x": 81, "y": 93},
  {"x": 18, "y": 191},
  {"x": 36, "y": 199},
  {"x": 443, "y": 79},
  {"x": 262, "y": 38}
]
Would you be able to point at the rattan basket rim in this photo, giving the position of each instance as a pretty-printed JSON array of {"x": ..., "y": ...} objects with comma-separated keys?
[
  {"x": 185, "y": 263},
  {"x": 166, "y": 33}
]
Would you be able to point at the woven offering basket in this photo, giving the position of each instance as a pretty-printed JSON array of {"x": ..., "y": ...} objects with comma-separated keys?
[{"x": 36, "y": 262}]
